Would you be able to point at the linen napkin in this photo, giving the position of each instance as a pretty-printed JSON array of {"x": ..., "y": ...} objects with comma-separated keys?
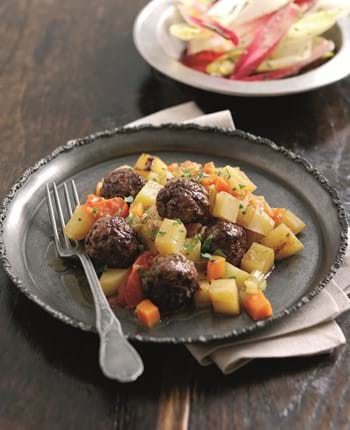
[{"x": 310, "y": 330}]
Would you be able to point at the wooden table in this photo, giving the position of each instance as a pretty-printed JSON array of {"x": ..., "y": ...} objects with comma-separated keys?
[{"x": 68, "y": 68}]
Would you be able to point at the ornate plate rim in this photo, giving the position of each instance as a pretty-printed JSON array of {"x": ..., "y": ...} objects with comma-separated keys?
[{"x": 250, "y": 138}]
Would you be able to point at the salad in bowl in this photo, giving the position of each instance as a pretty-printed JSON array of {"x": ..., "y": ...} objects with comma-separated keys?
[{"x": 254, "y": 40}]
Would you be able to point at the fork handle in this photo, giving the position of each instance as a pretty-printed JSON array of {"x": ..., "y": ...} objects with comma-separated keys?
[{"x": 118, "y": 358}]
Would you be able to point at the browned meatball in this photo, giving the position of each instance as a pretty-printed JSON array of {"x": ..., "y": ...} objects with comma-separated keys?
[
  {"x": 184, "y": 199},
  {"x": 122, "y": 182},
  {"x": 229, "y": 238},
  {"x": 170, "y": 282},
  {"x": 112, "y": 241}
]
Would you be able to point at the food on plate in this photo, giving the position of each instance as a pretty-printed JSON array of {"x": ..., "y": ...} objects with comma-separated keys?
[
  {"x": 171, "y": 281},
  {"x": 184, "y": 199},
  {"x": 121, "y": 182},
  {"x": 226, "y": 239},
  {"x": 165, "y": 237},
  {"x": 250, "y": 40},
  {"x": 112, "y": 241}
]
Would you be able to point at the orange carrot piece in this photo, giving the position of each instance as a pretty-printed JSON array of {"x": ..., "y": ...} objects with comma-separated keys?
[
  {"x": 278, "y": 214},
  {"x": 207, "y": 181},
  {"x": 222, "y": 185},
  {"x": 216, "y": 268},
  {"x": 147, "y": 313},
  {"x": 137, "y": 209},
  {"x": 209, "y": 168},
  {"x": 257, "y": 306}
]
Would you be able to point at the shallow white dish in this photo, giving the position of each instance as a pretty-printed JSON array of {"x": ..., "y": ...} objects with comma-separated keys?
[{"x": 162, "y": 51}]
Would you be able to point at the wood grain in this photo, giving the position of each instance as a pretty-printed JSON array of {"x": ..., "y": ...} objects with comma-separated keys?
[{"x": 68, "y": 68}]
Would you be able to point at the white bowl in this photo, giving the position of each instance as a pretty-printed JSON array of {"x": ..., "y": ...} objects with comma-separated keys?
[{"x": 162, "y": 51}]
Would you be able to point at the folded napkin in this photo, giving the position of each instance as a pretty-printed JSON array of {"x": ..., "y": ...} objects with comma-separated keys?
[{"x": 310, "y": 330}]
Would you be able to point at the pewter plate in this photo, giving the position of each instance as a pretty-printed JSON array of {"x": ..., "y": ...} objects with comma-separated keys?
[
  {"x": 162, "y": 52},
  {"x": 283, "y": 177}
]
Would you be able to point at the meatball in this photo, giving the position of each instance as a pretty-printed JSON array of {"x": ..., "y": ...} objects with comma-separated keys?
[
  {"x": 112, "y": 241},
  {"x": 229, "y": 238},
  {"x": 184, "y": 199},
  {"x": 170, "y": 282},
  {"x": 122, "y": 182}
]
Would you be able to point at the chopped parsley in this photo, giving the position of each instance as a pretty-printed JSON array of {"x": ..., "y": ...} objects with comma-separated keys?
[
  {"x": 207, "y": 256},
  {"x": 187, "y": 174},
  {"x": 206, "y": 244},
  {"x": 190, "y": 245},
  {"x": 200, "y": 175},
  {"x": 161, "y": 233},
  {"x": 241, "y": 186},
  {"x": 94, "y": 211},
  {"x": 241, "y": 206},
  {"x": 177, "y": 221},
  {"x": 128, "y": 199}
]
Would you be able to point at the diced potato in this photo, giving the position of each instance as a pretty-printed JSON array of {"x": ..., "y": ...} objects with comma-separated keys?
[
  {"x": 148, "y": 194},
  {"x": 238, "y": 180},
  {"x": 135, "y": 222},
  {"x": 226, "y": 207},
  {"x": 239, "y": 275},
  {"x": 260, "y": 222},
  {"x": 147, "y": 162},
  {"x": 245, "y": 213},
  {"x": 148, "y": 233},
  {"x": 255, "y": 282},
  {"x": 148, "y": 174},
  {"x": 283, "y": 241},
  {"x": 164, "y": 177},
  {"x": 80, "y": 223},
  {"x": 201, "y": 296},
  {"x": 112, "y": 279},
  {"x": 171, "y": 237},
  {"x": 192, "y": 249},
  {"x": 293, "y": 222},
  {"x": 258, "y": 257},
  {"x": 224, "y": 296}
]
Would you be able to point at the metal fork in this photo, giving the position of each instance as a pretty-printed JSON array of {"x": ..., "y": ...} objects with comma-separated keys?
[{"x": 118, "y": 358}]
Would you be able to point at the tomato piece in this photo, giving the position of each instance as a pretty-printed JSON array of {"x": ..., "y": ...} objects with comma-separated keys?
[
  {"x": 100, "y": 207},
  {"x": 133, "y": 289}
]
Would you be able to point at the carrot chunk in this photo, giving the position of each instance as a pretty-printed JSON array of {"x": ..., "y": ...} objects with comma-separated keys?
[
  {"x": 147, "y": 313},
  {"x": 258, "y": 306},
  {"x": 209, "y": 168},
  {"x": 216, "y": 268}
]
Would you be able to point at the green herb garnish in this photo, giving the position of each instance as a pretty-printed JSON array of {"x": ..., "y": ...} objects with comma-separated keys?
[
  {"x": 206, "y": 244},
  {"x": 177, "y": 221},
  {"x": 220, "y": 252},
  {"x": 241, "y": 186},
  {"x": 161, "y": 233},
  {"x": 207, "y": 256},
  {"x": 94, "y": 211},
  {"x": 128, "y": 199}
]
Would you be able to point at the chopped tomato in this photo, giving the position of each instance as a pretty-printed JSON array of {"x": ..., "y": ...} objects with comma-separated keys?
[
  {"x": 209, "y": 168},
  {"x": 100, "y": 206},
  {"x": 132, "y": 292}
]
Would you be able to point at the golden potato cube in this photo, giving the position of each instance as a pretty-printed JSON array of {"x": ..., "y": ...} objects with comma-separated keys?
[
  {"x": 164, "y": 177},
  {"x": 283, "y": 241},
  {"x": 261, "y": 222},
  {"x": 147, "y": 163},
  {"x": 148, "y": 233},
  {"x": 171, "y": 237},
  {"x": 201, "y": 296},
  {"x": 224, "y": 296},
  {"x": 148, "y": 194},
  {"x": 112, "y": 279},
  {"x": 233, "y": 272},
  {"x": 192, "y": 249},
  {"x": 80, "y": 223},
  {"x": 245, "y": 214},
  {"x": 226, "y": 207},
  {"x": 258, "y": 257},
  {"x": 293, "y": 222}
]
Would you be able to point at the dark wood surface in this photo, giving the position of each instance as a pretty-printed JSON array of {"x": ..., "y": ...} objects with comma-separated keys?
[{"x": 68, "y": 68}]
